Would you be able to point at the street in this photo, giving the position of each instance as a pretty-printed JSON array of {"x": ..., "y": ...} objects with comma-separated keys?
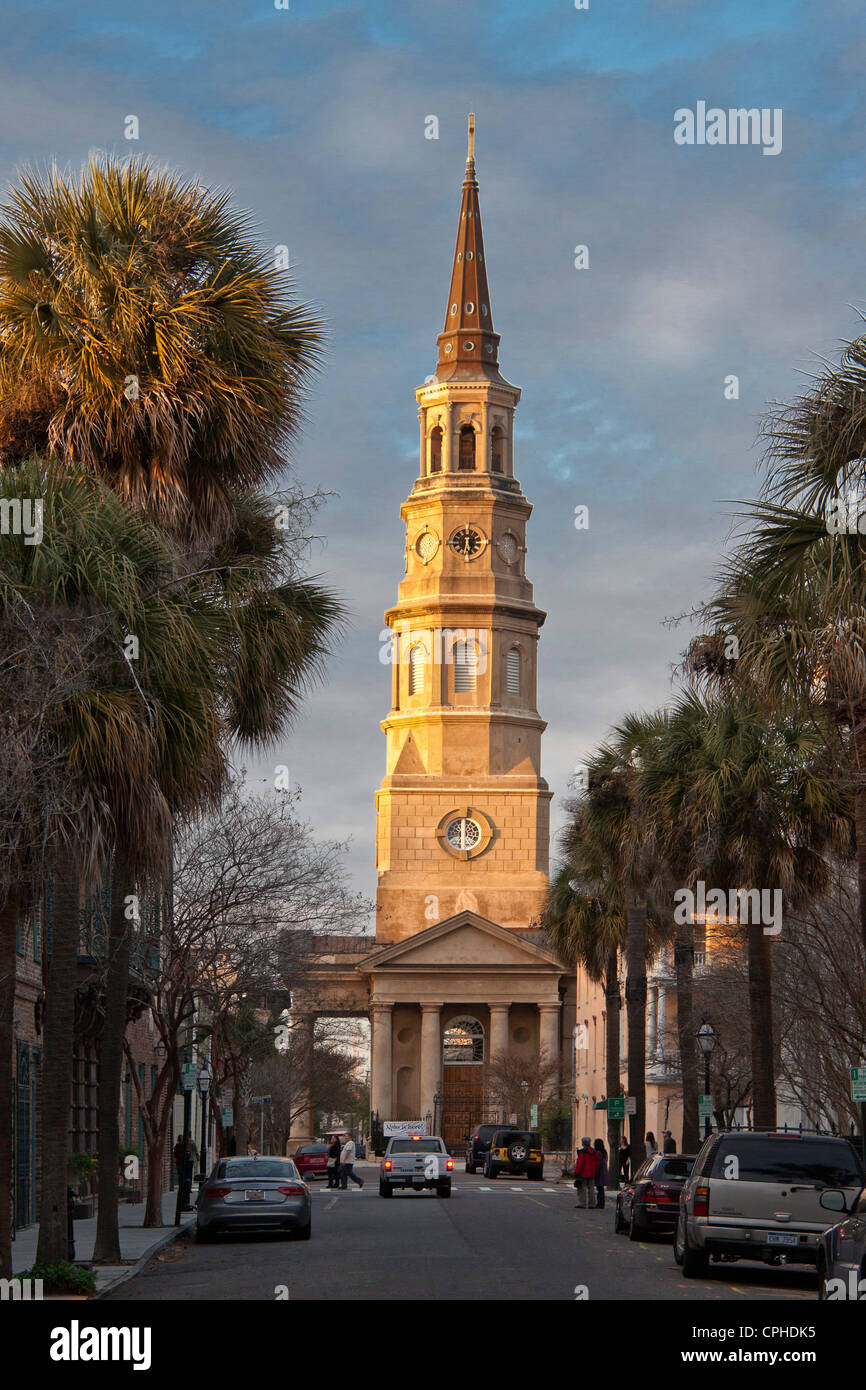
[{"x": 508, "y": 1239}]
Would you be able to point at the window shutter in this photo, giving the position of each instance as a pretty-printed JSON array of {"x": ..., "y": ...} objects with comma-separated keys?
[
  {"x": 416, "y": 669},
  {"x": 512, "y": 671},
  {"x": 465, "y": 663}
]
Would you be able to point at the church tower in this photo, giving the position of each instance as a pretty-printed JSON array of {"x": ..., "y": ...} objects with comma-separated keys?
[{"x": 463, "y": 811}]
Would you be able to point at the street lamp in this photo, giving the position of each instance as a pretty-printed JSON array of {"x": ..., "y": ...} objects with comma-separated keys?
[
  {"x": 524, "y": 1086},
  {"x": 708, "y": 1039},
  {"x": 204, "y": 1080}
]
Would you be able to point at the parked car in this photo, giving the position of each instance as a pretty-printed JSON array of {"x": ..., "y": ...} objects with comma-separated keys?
[
  {"x": 515, "y": 1151},
  {"x": 755, "y": 1195},
  {"x": 417, "y": 1162},
  {"x": 311, "y": 1160},
  {"x": 478, "y": 1146},
  {"x": 249, "y": 1194},
  {"x": 842, "y": 1248},
  {"x": 649, "y": 1202}
]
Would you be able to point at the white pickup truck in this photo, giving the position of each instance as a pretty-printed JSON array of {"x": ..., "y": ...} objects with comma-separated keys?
[{"x": 416, "y": 1162}]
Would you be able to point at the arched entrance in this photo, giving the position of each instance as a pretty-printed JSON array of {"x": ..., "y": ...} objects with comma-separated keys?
[{"x": 462, "y": 1080}]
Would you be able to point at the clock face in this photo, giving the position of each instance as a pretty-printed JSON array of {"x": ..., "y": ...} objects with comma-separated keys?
[
  {"x": 426, "y": 545},
  {"x": 508, "y": 548},
  {"x": 467, "y": 541}
]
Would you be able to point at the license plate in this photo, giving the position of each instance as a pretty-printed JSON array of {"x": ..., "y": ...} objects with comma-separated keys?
[
  {"x": 782, "y": 1238},
  {"x": 254, "y": 1194}
]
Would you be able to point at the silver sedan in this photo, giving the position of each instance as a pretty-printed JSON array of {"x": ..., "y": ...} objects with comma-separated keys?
[{"x": 253, "y": 1194}]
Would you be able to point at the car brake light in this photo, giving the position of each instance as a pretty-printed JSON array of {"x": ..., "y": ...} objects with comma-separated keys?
[
  {"x": 450, "y": 1163},
  {"x": 474, "y": 1138},
  {"x": 387, "y": 1163},
  {"x": 217, "y": 1191},
  {"x": 292, "y": 1189},
  {"x": 702, "y": 1200},
  {"x": 658, "y": 1194}
]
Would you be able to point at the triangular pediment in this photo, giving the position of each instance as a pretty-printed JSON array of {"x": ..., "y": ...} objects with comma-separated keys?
[
  {"x": 464, "y": 941},
  {"x": 409, "y": 759}
]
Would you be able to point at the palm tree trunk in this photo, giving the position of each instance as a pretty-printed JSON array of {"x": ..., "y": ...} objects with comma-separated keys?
[
  {"x": 242, "y": 1132},
  {"x": 761, "y": 1028},
  {"x": 613, "y": 1084},
  {"x": 635, "y": 1003},
  {"x": 59, "y": 1036},
  {"x": 107, "y": 1247},
  {"x": 8, "y": 921},
  {"x": 684, "y": 958}
]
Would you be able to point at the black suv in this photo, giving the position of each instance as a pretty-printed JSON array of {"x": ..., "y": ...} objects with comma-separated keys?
[
  {"x": 515, "y": 1151},
  {"x": 478, "y": 1146}
]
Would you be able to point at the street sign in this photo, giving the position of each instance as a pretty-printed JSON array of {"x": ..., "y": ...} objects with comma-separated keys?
[
  {"x": 705, "y": 1107},
  {"x": 512, "y": 1118},
  {"x": 188, "y": 1075},
  {"x": 260, "y": 1100},
  {"x": 533, "y": 1117},
  {"x": 228, "y": 1115},
  {"x": 616, "y": 1108},
  {"x": 858, "y": 1083},
  {"x": 404, "y": 1129},
  {"x": 631, "y": 1105}
]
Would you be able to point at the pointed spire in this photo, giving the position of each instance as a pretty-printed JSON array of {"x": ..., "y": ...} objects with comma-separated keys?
[{"x": 468, "y": 346}]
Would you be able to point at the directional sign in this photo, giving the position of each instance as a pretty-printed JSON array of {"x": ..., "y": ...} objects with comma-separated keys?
[
  {"x": 188, "y": 1076},
  {"x": 616, "y": 1108},
  {"x": 228, "y": 1116},
  {"x": 631, "y": 1105},
  {"x": 705, "y": 1107},
  {"x": 858, "y": 1083},
  {"x": 260, "y": 1100},
  {"x": 533, "y": 1117}
]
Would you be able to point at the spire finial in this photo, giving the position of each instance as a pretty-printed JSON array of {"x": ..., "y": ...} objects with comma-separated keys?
[{"x": 470, "y": 159}]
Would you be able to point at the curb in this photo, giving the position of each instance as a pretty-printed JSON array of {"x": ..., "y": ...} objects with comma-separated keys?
[{"x": 174, "y": 1233}]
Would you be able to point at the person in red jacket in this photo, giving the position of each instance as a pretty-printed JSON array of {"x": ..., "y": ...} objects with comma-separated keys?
[{"x": 585, "y": 1169}]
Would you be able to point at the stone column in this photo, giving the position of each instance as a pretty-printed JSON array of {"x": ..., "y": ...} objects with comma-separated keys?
[
  {"x": 548, "y": 1038},
  {"x": 652, "y": 1022},
  {"x": 449, "y": 463},
  {"x": 381, "y": 1081},
  {"x": 303, "y": 1125},
  {"x": 431, "y": 1056},
  {"x": 498, "y": 1030}
]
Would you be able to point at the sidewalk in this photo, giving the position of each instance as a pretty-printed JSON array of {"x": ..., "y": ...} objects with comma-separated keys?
[{"x": 137, "y": 1245}]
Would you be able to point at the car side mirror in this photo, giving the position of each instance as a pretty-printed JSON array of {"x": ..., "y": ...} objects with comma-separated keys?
[{"x": 832, "y": 1199}]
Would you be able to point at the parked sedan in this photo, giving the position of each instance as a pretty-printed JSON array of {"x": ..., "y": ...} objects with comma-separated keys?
[
  {"x": 842, "y": 1248},
  {"x": 311, "y": 1160},
  {"x": 649, "y": 1203},
  {"x": 253, "y": 1194}
]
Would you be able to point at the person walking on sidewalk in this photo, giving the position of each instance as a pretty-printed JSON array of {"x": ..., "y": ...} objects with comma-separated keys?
[
  {"x": 585, "y": 1168},
  {"x": 334, "y": 1162},
  {"x": 347, "y": 1164},
  {"x": 600, "y": 1174}
]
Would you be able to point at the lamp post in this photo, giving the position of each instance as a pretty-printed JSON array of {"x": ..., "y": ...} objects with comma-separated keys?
[
  {"x": 524, "y": 1086},
  {"x": 707, "y": 1040},
  {"x": 204, "y": 1080}
]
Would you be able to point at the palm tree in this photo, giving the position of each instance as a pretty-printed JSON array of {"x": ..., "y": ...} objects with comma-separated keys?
[{"x": 143, "y": 335}]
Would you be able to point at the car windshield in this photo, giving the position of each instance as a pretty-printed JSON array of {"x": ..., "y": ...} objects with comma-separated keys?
[
  {"x": 317, "y": 1149},
  {"x": 789, "y": 1159},
  {"x": 675, "y": 1168},
  {"x": 257, "y": 1168},
  {"x": 512, "y": 1136},
  {"x": 416, "y": 1146}
]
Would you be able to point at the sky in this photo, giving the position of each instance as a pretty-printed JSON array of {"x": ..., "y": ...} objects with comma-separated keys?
[{"x": 705, "y": 261}]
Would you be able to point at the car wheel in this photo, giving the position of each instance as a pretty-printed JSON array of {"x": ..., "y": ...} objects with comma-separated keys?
[
  {"x": 385, "y": 1189},
  {"x": 695, "y": 1263},
  {"x": 443, "y": 1189},
  {"x": 535, "y": 1174},
  {"x": 618, "y": 1223},
  {"x": 518, "y": 1152},
  {"x": 822, "y": 1278},
  {"x": 678, "y": 1241},
  {"x": 303, "y": 1232},
  {"x": 635, "y": 1231},
  {"x": 202, "y": 1237},
  {"x": 470, "y": 1168}
]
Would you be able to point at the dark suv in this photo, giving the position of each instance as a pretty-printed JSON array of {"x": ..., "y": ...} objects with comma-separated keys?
[
  {"x": 515, "y": 1151},
  {"x": 478, "y": 1146}
]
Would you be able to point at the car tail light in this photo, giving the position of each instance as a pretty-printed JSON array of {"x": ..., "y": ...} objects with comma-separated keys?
[
  {"x": 474, "y": 1138},
  {"x": 387, "y": 1164},
  {"x": 702, "y": 1200},
  {"x": 658, "y": 1194},
  {"x": 449, "y": 1164},
  {"x": 217, "y": 1191},
  {"x": 292, "y": 1189}
]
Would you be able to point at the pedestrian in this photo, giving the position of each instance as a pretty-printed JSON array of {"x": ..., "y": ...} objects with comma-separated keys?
[
  {"x": 334, "y": 1162},
  {"x": 624, "y": 1157},
  {"x": 178, "y": 1156},
  {"x": 347, "y": 1164},
  {"x": 585, "y": 1168},
  {"x": 600, "y": 1174},
  {"x": 650, "y": 1144},
  {"x": 669, "y": 1146}
]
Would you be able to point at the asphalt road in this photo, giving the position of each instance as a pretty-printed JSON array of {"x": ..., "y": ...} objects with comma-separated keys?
[{"x": 506, "y": 1239}]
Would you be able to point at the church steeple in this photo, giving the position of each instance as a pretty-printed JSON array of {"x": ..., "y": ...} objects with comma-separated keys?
[{"x": 468, "y": 346}]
